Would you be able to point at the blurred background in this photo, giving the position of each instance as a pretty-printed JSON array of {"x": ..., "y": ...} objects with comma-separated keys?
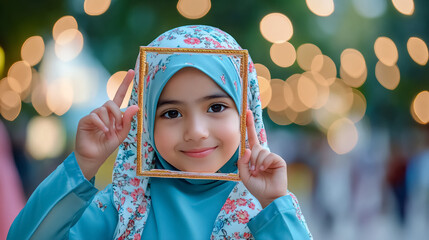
[{"x": 344, "y": 86}]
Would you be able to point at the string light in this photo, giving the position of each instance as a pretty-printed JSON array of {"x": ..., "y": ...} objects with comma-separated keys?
[
  {"x": 387, "y": 76},
  {"x": 32, "y": 50},
  {"x": 321, "y": 8},
  {"x": 96, "y": 7},
  {"x": 405, "y": 7},
  {"x": 420, "y": 107},
  {"x": 283, "y": 54},
  {"x": 418, "y": 50},
  {"x": 193, "y": 9},
  {"x": 276, "y": 28},
  {"x": 342, "y": 136},
  {"x": 305, "y": 55},
  {"x": 45, "y": 137},
  {"x": 265, "y": 91},
  {"x": 386, "y": 51}
]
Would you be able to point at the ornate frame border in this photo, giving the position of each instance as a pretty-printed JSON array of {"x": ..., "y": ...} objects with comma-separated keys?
[{"x": 244, "y": 59}]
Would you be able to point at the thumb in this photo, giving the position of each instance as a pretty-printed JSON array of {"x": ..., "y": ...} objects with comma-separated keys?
[
  {"x": 243, "y": 166},
  {"x": 127, "y": 118}
]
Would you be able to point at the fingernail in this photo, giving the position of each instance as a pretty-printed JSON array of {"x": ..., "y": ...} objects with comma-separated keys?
[
  {"x": 252, "y": 167},
  {"x": 261, "y": 168}
]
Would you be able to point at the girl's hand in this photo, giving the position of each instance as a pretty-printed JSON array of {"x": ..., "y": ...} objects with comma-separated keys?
[
  {"x": 103, "y": 130},
  {"x": 262, "y": 172}
]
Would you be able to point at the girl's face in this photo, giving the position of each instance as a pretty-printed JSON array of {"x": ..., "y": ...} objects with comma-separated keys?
[{"x": 197, "y": 125}]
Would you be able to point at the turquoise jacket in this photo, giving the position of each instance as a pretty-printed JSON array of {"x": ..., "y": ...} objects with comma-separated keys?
[{"x": 67, "y": 206}]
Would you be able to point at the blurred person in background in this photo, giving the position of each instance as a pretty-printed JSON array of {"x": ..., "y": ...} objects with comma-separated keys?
[
  {"x": 12, "y": 198},
  {"x": 417, "y": 182}
]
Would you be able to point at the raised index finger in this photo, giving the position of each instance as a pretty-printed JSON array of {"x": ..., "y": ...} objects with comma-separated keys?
[
  {"x": 122, "y": 90},
  {"x": 251, "y": 130}
]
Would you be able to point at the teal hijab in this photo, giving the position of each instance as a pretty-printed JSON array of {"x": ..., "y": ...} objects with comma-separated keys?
[
  {"x": 155, "y": 208},
  {"x": 178, "y": 202}
]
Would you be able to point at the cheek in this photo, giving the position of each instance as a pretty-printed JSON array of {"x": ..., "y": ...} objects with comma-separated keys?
[
  {"x": 230, "y": 132},
  {"x": 164, "y": 140}
]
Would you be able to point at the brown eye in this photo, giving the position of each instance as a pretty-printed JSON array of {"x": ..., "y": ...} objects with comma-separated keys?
[
  {"x": 172, "y": 114},
  {"x": 216, "y": 108}
]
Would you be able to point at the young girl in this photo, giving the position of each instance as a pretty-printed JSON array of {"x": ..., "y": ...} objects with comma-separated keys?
[{"x": 191, "y": 123}]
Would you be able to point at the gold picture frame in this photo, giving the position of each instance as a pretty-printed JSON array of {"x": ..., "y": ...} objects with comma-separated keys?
[{"x": 244, "y": 59}]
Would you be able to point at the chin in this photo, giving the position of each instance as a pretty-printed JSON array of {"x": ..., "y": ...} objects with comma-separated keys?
[{"x": 201, "y": 170}]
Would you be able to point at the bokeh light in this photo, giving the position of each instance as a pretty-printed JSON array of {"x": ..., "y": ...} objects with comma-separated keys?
[
  {"x": 46, "y": 137},
  {"x": 32, "y": 50},
  {"x": 96, "y": 7},
  {"x": 19, "y": 76},
  {"x": 353, "y": 62},
  {"x": 193, "y": 9},
  {"x": 353, "y": 82},
  {"x": 63, "y": 24},
  {"x": 387, "y": 76},
  {"x": 59, "y": 96},
  {"x": 420, "y": 106},
  {"x": 322, "y": 89},
  {"x": 307, "y": 91},
  {"x": 2, "y": 60},
  {"x": 10, "y": 105},
  {"x": 303, "y": 118},
  {"x": 386, "y": 51},
  {"x": 263, "y": 71},
  {"x": 321, "y": 8},
  {"x": 340, "y": 98},
  {"x": 418, "y": 50},
  {"x": 288, "y": 94},
  {"x": 342, "y": 136},
  {"x": 292, "y": 83},
  {"x": 405, "y": 7},
  {"x": 35, "y": 79},
  {"x": 113, "y": 84},
  {"x": 283, "y": 54},
  {"x": 324, "y": 118},
  {"x": 278, "y": 102},
  {"x": 39, "y": 101},
  {"x": 69, "y": 44},
  {"x": 280, "y": 117},
  {"x": 358, "y": 108},
  {"x": 264, "y": 91},
  {"x": 276, "y": 28},
  {"x": 326, "y": 67},
  {"x": 413, "y": 114},
  {"x": 305, "y": 55}
]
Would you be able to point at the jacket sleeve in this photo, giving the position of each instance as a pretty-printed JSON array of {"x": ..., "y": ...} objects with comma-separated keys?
[
  {"x": 59, "y": 202},
  {"x": 282, "y": 219}
]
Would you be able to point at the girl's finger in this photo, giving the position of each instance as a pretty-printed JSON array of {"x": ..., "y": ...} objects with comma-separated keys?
[
  {"x": 126, "y": 120},
  {"x": 103, "y": 114},
  {"x": 254, "y": 156},
  {"x": 262, "y": 157},
  {"x": 252, "y": 136},
  {"x": 268, "y": 161},
  {"x": 122, "y": 90},
  {"x": 115, "y": 112},
  {"x": 243, "y": 166},
  {"x": 273, "y": 161},
  {"x": 95, "y": 119}
]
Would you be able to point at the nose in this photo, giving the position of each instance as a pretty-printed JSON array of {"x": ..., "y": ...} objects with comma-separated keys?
[{"x": 196, "y": 128}]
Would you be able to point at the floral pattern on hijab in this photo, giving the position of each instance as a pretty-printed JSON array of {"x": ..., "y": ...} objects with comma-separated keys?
[{"x": 132, "y": 196}]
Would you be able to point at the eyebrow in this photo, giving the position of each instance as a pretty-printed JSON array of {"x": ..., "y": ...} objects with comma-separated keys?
[{"x": 163, "y": 102}]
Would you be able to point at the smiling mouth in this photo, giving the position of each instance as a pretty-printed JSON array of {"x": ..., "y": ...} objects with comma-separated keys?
[{"x": 199, "y": 153}]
